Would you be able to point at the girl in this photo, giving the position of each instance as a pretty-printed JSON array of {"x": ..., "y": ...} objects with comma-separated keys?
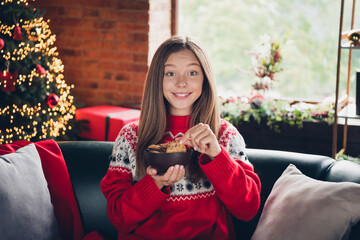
[{"x": 180, "y": 102}]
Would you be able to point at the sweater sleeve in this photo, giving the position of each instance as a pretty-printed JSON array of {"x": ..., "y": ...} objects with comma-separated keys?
[
  {"x": 233, "y": 177},
  {"x": 128, "y": 203}
]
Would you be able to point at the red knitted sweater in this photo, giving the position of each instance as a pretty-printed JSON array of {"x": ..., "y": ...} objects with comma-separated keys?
[{"x": 201, "y": 210}]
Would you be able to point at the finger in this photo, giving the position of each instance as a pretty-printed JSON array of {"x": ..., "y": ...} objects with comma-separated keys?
[
  {"x": 151, "y": 171},
  {"x": 181, "y": 173},
  {"x": 157, "y": 179},
  {"x": 167, "y": 174},
  {"x": 205, "y": 143},
  {"x": 199, "y": 138},
  {"x": 211, "y": 147},
  {"x": 178, "y": 138},
  {"x": 200, "y": 133},
  {"x": 186, "y": 139},
  {"x": 174, "y": 174},
  {"x": 208, "y": 137},
  {"x": 194, "y": 135},
  {"x": 193, "y": 143}
]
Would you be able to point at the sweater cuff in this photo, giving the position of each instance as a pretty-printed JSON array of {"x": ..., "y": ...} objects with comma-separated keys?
[
  {"x": 220, "y": 168},
  {"x": 204, "y": 159},
  {"x": 148, "y": 192}
]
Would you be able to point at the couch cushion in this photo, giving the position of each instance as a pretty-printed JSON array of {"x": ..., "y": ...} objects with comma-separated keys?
[
  {"x": 300, "y": 207},
  {"x": 25, "y": 205}
]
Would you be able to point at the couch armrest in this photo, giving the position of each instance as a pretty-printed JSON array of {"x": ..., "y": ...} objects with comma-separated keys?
[{"x": 343, "y": 171}]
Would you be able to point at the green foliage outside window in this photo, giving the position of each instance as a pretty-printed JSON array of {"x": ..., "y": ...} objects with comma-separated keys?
[{"x": 229, "y": 28}]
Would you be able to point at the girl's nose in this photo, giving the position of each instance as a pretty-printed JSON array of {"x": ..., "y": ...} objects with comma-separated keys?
[{"x": 181, "y": 81}]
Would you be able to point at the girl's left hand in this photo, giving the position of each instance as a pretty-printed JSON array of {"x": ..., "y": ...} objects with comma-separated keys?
[{"x": 202, "y": 139}]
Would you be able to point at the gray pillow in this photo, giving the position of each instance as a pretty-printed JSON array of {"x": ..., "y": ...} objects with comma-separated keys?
[
  {"x": 26, "y": 211},
  {"x": 300, "y": 207}
]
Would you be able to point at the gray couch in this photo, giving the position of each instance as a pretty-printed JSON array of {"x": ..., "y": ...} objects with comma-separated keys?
[{"x": 87, "y": 163}]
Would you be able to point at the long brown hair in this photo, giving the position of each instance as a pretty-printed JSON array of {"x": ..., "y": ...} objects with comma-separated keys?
[{"x": 154, "y": 106}]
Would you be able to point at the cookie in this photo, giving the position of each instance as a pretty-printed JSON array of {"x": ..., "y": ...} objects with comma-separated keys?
[
  {"x": 175, "y": 147},
  {"x": 156, "y": 148},
  {"x": 170, "y": 147}
]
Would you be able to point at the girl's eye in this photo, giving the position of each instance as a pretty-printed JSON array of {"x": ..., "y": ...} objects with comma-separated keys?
[
  {"x": 193, "y": 73},
  {"x": 170, "y": 74}
]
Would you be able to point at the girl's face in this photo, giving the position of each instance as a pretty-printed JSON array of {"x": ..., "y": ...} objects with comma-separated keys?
[{"x": 183, "y": 81}]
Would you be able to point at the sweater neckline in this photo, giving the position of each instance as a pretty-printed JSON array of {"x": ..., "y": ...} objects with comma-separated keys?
[{"x": 178, "y": 122}]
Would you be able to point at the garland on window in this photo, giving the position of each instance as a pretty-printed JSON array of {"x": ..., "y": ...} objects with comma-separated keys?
[{"x": 276, "y": 113}]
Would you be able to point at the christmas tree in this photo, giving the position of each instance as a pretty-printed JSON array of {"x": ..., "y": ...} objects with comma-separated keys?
[{"x": 35, "y": 101}]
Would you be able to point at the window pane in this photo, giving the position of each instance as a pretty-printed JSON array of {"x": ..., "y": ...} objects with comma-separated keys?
[{"x": 228, "y": 28}]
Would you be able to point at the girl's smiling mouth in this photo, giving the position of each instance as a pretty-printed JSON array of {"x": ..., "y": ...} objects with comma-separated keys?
[{"x": 181, "y": 95}]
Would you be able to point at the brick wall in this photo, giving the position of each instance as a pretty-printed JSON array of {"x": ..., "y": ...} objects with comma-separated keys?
[{"x": 105, "y": 44}]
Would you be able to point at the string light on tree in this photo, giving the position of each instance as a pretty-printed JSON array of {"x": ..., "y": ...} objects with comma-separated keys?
[{"x": 36, "y": 103}]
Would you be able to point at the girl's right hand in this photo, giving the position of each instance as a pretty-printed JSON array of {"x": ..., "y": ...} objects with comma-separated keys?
[{"x": 172, "y": 175}]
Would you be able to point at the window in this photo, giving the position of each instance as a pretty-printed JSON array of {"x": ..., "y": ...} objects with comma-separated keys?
[{"x": 228, "y": 28}]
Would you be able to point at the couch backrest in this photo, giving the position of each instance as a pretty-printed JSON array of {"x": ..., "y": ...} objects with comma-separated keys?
[{"x": 88, "y": 161}]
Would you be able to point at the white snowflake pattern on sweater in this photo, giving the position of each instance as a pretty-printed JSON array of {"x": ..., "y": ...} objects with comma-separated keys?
[{"x": 232, "y": 141}]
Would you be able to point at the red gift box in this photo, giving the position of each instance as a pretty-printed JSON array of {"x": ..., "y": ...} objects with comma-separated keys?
[{"x": 105, "y": 122}]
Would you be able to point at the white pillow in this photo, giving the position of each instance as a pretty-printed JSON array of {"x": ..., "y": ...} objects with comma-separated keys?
[
  {"x": 300, "y": 208},
  {"x": 26, "y": 211}
]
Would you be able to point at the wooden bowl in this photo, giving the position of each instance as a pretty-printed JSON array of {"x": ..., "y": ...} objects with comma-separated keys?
[{"x": 162, "y": 161}]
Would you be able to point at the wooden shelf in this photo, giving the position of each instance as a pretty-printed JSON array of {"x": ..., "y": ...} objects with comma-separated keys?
[
  {"x": 346, "y": 45},
  {"x": 349, "y": 112}
]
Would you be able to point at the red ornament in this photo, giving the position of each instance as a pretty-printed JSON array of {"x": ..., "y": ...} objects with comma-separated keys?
[
  {"x": 52, "y": 100},
  {"x": 2, "y": 43},
  {"x": 40, "y": 69},
  {"x": 8, "y": 80},
  {"x": 17, "y": 33}
]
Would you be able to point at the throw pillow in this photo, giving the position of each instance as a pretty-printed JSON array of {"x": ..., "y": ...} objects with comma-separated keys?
[
  {"x": 59, "y": 184},
  {"x": 300, "y": 207},
  {"x": 25, "y": 205}
]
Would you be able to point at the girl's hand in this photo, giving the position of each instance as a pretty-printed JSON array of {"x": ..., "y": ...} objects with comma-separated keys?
[
  {"x": 202, "y": 139},
  {"x": 172, "y": 175}
]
